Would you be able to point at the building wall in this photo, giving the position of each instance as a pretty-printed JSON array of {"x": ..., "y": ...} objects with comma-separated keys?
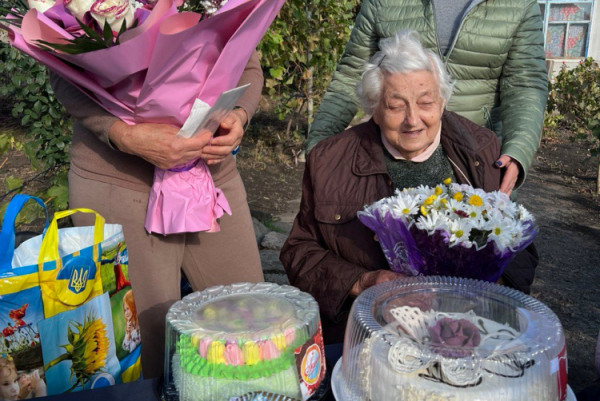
[{"x": 594, "y": 46}]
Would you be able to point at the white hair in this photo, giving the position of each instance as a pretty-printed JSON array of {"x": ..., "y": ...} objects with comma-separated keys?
[{"x": 400, "y": 54}]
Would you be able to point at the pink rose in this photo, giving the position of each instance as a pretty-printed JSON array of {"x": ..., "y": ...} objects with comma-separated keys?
[
  {"x": 456, "y": 334},
  {"x": 268, "y": 350},
  {"x": 203, "y": 347},
  {"x": 290, "y": 336},
  {"x": 114, "y": 12},
  {"x": 233, "y": 355}
]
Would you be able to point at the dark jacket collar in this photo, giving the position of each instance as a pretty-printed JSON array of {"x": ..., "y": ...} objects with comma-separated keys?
[{"x": 369, "y": 158}]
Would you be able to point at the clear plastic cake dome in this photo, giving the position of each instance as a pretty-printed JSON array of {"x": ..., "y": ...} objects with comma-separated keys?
[
  {"x": 242, "y": 341},
  {"x": 438, "y": 338}
]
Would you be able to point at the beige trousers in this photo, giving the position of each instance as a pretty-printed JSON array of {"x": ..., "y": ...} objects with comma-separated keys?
[{"x": 155, "y": 261}]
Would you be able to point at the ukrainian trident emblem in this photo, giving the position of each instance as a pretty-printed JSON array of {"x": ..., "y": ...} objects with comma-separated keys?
[{"x": 78, "y": 280}]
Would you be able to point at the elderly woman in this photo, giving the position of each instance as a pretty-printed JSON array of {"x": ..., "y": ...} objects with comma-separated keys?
[{"x": 409, "y": 141}]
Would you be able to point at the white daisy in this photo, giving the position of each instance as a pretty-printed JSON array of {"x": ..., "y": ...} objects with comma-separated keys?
[
  {"x": 459, "y": 233},
  {"x": 424, "y": 191},
  {"x": 524, "y": 214},
  {"x": 404, "y": 206},
  {"x": 453, "y": 206},
  {"x": 474, "y": 212},
  {"x": 434, "y": 220},
  {"x": 501, "y": 232}
]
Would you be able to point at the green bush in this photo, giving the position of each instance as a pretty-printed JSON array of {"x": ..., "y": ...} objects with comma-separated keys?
[
  {"x": 300, "y": 51},
  {"x": 25, "y": 85},
  {"x": 575, "y": 95}
]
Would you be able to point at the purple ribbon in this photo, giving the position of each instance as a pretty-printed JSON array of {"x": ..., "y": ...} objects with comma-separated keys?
[{"x": 187, "y": 167}]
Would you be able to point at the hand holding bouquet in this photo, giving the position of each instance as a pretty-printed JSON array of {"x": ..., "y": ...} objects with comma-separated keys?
[
  {"x": 145, "y": 62},
  {"x": 450, "y": 230}
]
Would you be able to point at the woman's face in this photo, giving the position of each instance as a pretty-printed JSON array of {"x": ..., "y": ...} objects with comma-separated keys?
[
  {"x": 410, "y": 111},
  {"x": 9, "y": 387}
]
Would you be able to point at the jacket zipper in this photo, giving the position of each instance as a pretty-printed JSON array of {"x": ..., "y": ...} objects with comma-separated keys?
[
  {"x": 487, "y": 115},
  {"x": 455, "y": 39}
]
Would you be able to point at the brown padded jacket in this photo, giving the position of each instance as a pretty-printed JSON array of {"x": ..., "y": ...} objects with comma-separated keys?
[{"x": 329, "y": 248}]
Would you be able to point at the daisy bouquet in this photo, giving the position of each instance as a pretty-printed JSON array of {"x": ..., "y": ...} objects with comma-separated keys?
[
  {"x": 146, "y": 62},
  {"x": 450, "y": 230}
]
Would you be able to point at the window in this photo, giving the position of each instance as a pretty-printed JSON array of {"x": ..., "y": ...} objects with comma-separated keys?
[{"x": 566, "y": 27}]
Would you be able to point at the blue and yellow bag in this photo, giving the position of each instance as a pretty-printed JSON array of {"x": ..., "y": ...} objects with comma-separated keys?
[
  {"x": 90, "y": 336},
  {"x": 21, "y": 310}
]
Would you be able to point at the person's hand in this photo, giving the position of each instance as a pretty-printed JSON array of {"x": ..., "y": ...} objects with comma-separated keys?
[
  {"x": 228, "y": 137},
  {"x": 35, "y": 378},
  {"x": 372, "y": 278},
  {"x": 158, "y": 143},
  {"x": 511, "y": 173},
  {"x": 25, "y": 381},
  {"x": 38, "y": 385},
  {"x": 25, "y": 387},
  {"x": 128, "y": 330}
]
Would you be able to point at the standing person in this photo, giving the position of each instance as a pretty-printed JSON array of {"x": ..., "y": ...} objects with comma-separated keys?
[
  {"x": 494, "y": 49},
  {"x": 112, "y": 169},
  {"x": 119, "y": 260}
]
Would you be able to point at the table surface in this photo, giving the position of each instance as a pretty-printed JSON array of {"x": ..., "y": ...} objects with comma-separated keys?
[{"x": 148, "y": 390}]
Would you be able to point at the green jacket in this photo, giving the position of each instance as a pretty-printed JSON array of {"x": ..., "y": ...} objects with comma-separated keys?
[{"x": 497, "y": 59}]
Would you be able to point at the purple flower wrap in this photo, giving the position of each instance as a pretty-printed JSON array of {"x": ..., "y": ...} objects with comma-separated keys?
[{"x": 413, "y": 252}]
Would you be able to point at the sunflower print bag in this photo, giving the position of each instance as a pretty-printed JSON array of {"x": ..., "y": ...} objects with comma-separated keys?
[{"x": 90, "y": 336}]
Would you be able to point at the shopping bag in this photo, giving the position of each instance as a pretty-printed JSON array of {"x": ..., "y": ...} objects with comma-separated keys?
[
  {"x": 90, "y": 336},
  {"x": 21, "y": 362}
]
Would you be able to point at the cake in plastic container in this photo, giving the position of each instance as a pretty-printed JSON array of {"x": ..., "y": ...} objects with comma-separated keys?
[
  {"x": 229, "y": 342},
  {"x": 438, "y": 338}
]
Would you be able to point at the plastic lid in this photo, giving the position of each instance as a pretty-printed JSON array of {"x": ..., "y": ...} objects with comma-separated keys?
[
  {"x": 228, "y": 341},
  {"x": 244, "y": 311},
  {"x": 450, "y": 336}
]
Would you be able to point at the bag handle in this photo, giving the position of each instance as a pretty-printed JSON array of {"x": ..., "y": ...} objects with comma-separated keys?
[
  {"x": 7, "y": 234},
  {"x": 49, "y": 248}
]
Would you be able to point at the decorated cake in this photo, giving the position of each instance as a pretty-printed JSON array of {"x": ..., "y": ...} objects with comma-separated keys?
[
  {"x": 436, "y": 338},
  {"x": 228, "y": 341}
]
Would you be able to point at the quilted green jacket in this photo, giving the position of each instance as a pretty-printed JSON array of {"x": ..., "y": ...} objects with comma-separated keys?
[{"x": 497, "y": 59}]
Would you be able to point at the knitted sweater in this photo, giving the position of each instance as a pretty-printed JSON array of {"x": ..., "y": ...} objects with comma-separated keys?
[{"x": 407, "y": 174}]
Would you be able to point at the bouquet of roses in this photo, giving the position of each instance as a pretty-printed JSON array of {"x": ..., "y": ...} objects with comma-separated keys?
[
  {"x": 145, "y": 62},
  {"x": 450, "y": 230}
]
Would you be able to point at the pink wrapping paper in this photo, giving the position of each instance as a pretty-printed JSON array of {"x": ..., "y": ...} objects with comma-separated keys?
[
  {"x": 200, "y": 211},
  {"x": 155, "y": 75}
]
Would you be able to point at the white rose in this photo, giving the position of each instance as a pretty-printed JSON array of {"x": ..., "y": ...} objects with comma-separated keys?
[
  {"x": 41, "y": 5},
  {"x": 113, "y": 11},
  {"x": 78, "y": 8}
]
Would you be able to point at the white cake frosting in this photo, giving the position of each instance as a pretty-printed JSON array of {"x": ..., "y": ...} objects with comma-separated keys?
[{"x": 400, "y": 364}]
